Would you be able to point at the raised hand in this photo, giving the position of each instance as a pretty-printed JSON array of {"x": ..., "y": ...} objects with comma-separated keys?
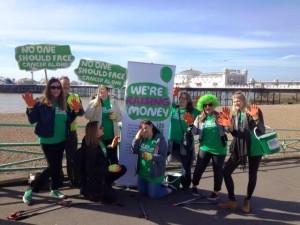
[
  {"x": 115, "y": 142},
  {"x": 114, "y": 168},
  {"x": 188, "y": 118},
  {"x": 147, "y": 156},
  {"x": 139, "y": 134},
  {"x": 76, "y": 106},
  {"x": 224, "y": 122},
  {"x": 224, "y": 117},
  {"x": 226, "y": 111},
  {"x": 28, "y": 98},
  {"x": 253, "y": 111},
  {"x": 96, "y": 102},
  {"x": 112, "y": 115},
  {"x": 176, "y": 91}
]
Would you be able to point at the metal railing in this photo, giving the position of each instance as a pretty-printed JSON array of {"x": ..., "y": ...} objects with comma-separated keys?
[
  {"x": 25, "y": 150},
  {"x": 288, "y": 147}
]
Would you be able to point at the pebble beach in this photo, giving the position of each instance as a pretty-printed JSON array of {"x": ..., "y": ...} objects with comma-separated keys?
[{"x": 275, "y": 116}]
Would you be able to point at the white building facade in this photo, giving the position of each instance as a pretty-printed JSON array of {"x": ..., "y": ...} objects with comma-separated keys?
[{"x": 227, "y": 77}]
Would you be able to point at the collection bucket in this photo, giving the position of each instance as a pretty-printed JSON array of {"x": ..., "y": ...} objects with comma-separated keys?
[
  {"x": 269, "y": 142},
  {"x": 173, "y": 178}
]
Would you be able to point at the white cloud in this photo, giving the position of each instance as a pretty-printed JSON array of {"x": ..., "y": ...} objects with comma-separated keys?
[
  {"x": 288, "y": 57},
  {"x": 123, "y": 40}
]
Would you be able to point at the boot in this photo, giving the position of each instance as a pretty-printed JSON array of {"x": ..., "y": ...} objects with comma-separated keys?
[
  {"x": 246, "y": 206},
  {"x": 229, "y": 204}
]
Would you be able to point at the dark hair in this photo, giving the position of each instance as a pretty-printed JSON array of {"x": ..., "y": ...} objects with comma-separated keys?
[
  {"x": 48, "y": 99},
  {"x": 190, "y": 105},
  {"x": 155, "y": 130},
  {"x": 91, "y": 138}
]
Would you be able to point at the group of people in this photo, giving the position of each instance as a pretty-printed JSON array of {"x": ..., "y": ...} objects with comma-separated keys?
[
  {"x": 55, "y": 117},
  {"x": 54, "y": 114}
]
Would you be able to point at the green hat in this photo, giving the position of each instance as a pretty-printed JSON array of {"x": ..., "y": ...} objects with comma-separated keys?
[{"x": 206, "y": 99}]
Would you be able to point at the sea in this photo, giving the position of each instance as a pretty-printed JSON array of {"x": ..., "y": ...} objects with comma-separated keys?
[{"x": 14, "y": 103}]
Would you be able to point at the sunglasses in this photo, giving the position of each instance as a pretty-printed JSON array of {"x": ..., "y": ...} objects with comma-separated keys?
[
  {"x": 208, "y": 104},
  {"x": 55, "y": 87}
]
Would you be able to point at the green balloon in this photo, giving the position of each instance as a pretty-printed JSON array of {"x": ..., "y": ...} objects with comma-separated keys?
[{"x": 166, "y": 74}]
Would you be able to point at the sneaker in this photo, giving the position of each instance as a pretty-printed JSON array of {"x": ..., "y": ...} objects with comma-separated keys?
[
  {"x": 27, "y": 196},
  {"x": 213, "y": 196},
  {"x": 195, "y": 191},
  {"x": 57, "y": 194}
]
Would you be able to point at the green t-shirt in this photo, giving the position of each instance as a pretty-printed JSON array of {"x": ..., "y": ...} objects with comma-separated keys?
[
  {"x": 60, "y": 128},
  {"x": 211, "y": 141},
  {"x": 103, "y": 148},
  {"x": 107, "y": 124},
  {"x": 175, "y": 130},
  {"x": 148, "y": 145}
]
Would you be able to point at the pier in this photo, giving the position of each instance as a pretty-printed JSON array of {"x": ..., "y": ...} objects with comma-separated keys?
[
  {"x": 261, "y": 96},
  {"x": 84, "y": 91}
]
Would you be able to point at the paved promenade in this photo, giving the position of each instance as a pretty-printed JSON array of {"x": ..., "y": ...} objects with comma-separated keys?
[{"x": 276, "y": 201}]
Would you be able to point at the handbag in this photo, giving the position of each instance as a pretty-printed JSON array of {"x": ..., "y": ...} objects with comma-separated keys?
[
  {"x": 268, "y": 141},
  {"x": 188, "y": 139}
]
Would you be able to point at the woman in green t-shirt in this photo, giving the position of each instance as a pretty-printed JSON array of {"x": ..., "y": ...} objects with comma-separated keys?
[
  {"x": 212, "y": 144},
  {"x": 105, "y": 109},
  {"x": 52, "y": 118},
  {"x": 151, "y": 147},
  {"x": 244, "y": 146},
  {"x": 177, "y": 129}
]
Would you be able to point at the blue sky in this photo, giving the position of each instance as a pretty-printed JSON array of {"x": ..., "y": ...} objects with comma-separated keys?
[{"x": 261, "y": 36}]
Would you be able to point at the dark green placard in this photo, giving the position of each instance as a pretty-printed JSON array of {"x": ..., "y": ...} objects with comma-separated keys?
[
  {"x": 43, "y": 56},
  {"x": 101, "y": 73}
]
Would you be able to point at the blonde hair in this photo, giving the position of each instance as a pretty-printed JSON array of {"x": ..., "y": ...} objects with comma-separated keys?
[{"x": 239, "y": 95}]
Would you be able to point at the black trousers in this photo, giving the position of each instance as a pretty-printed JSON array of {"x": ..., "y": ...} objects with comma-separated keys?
[
  {"x": 111, "y": 177},
  {"x": 231, "y": 165},
  {"x": 54, "y": 155},
  {"x": 70, "y": 147},
  {"x": 203, "y": 158},
  {"x": 186, "y": 164}
]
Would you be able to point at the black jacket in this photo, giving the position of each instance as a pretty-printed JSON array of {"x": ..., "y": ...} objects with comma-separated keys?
[
  {"x": 241, "y": 144},
  {"x": 95, "y": 169}
]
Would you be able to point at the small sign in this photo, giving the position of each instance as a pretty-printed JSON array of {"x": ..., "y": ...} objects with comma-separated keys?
[
  {"x": 273, "y": 144},
  {"x": 101, "y": 73},
  {"x": 44, "y": 56}
]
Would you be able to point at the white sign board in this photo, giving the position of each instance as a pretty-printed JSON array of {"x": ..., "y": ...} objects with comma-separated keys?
[{"x": 148, "y": 96}]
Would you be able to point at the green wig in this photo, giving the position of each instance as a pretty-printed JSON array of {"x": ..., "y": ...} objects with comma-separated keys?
[{"x": 209, "y": 98}]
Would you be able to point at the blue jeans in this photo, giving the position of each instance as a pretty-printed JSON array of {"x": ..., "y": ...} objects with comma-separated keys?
[{"x": 153, "y": 190}]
